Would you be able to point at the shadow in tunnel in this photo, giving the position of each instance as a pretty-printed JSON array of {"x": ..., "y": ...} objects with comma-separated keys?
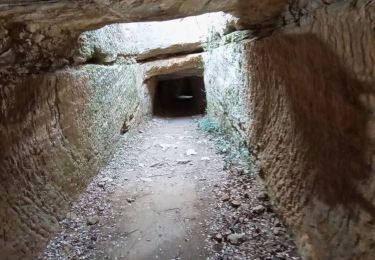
[
  {"x": 180, "y": 97},
  {"x": 318, "y": 101}
]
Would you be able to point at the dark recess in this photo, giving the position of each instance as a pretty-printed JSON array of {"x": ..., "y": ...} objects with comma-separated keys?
[{"x": 180, "y": 97}]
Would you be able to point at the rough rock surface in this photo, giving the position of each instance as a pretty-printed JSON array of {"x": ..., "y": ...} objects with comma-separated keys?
[
  {"x": 312, "y": 102},
  {"x": 96, "y": 13},
  {"x": 309, "y": 91},
  {"x": 226, "y": 83},
  {"x": 64, "y": 126},
  {"x": 56, "y": 132},
  {"x": 58, "y": 128}
]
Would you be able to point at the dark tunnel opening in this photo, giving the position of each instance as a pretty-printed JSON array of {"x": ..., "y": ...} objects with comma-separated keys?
[{"x": 180, "y": 97}]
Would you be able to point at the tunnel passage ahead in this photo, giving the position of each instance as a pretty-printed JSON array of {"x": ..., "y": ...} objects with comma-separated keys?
[{"x": 180, "y": 97}]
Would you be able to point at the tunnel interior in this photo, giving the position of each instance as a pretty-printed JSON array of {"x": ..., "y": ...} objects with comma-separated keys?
[{"x": 179, "y": 97}]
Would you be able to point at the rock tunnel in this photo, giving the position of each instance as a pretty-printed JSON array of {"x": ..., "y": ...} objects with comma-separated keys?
[{"x": 289, "y": 85}]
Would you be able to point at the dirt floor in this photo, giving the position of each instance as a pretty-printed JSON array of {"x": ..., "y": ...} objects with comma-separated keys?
[{"x": 165, "y": 195}]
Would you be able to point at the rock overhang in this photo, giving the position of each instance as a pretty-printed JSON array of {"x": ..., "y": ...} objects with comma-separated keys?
[{"x": 85, "y": 15}]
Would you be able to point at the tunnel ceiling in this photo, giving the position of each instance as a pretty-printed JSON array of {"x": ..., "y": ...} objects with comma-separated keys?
[
  {"x": 40, "y": 36},
  {"x": 82, "y": 15},
  {"x": 44, "y": 36}
]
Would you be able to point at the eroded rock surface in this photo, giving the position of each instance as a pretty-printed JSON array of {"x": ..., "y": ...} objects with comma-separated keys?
[
  {"x": 309, "y": 92},
  {"x": 91, "y": 14},
  {"x": 314, "y": 129},
  {"x": 57, "y": 130}
]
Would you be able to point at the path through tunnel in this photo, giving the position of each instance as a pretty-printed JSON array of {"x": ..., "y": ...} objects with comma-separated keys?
[
  {"x": 178, "y": 97},
  {"x": 87, "y": 173}
]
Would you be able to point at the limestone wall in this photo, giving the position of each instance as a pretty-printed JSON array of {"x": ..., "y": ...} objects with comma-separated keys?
[
  {"x": 226, "y": 83},
  {"x": 307, "y": 94},
  {"x": 56, "y": 131},
  {"x": 312, "y": 91}
]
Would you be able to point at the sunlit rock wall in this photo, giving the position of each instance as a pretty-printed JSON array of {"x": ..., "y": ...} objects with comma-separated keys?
[
  {"x": 56, "y": 132},
  {"x": 150, "y": 40},
  {"x": 226, "y": 82}
]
